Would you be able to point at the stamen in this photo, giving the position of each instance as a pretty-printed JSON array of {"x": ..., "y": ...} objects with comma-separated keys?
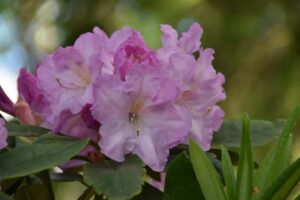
[{"x": 133, "y": 117}]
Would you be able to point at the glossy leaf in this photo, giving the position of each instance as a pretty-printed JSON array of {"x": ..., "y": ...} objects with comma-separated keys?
[
  {"x": 181, "y": 181},
  {"x": 25, "y": 130},
  {"x": 262, "y": 132},
  {"x": 207, "y": 177},
  {"x": 228, "y": 173},
  {"x": 117, "y": 181},
  {"x": 33, "y": 158},
  {"x": 284, "y": 183},
  {"x": 245, "y": 167}
]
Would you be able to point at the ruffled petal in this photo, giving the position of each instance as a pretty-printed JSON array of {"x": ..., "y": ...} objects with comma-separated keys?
[
  {"x": 190, "y": 40},
  {"x": 152, "y": 148}
]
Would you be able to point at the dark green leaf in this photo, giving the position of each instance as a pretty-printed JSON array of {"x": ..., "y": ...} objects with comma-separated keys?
[
  {"x": 25, "y": 130},
  {"x": 33, "y": 158},
  {"x": 245, "y": 167},
  {"x": 117, "y": 181},
  {"x": 262, "y": 132},
  {"x": 207, "y": 177},
  {"x": 149, "y": 193},
  {"x": 4, "y": 196},
  {"x": 45, "y": 179},
  {"x": 284, "y": 183},
  {"x": 35, "y": 191},
  {"x": 181, "y": 181},
  {"x": 228, "y": 173}
]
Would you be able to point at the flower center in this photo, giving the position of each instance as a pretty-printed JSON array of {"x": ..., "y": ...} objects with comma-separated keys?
[{"x": 134, "y": 116}]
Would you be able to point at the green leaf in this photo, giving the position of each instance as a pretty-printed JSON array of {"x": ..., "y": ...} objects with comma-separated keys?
[
  {"x": 45, "y": 179},
  {"x": 35, "y": 191},
  {"x": 262, "y": 172},
  {"x": 29, "y": 159},
  {"x": 207, "y": 177},
  {"x": 149, "y": 193},
  {"x": 117, "y": 181},
  {"x": 262, "y": 132},
  {"x": 245, "y": 167},
  {"x": 4, "y": 196},
  {"x": 228, "y": 173},
  {"x": 281, "y": 152},
  {"x": 284, "y": 183},
  {"x": 25, "y": 130},
  {"x": 181, "y": 181}
]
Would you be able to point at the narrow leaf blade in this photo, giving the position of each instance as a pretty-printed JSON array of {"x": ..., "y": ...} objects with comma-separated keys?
[
  {"x": 284, "y": 183},
  {"x": 245, "y": 167},
  {"x": 228, "y": 173},
  {"x": 282, "y": 151},
  {"x": 206, "y": 175}
]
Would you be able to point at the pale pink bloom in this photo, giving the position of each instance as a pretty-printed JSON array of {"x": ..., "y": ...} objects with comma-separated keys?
[
  {"x": 200, "y": 89},
  {"x": 138, "y": 116},
  {"x": 188, "y": 43},
  {"x": 133, "y": 51}
]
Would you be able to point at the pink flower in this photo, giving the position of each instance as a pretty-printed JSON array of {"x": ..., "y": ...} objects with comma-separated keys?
[
  {"x": 66, "y": 76},
  {"x": 200, "y": 90},
  {"x": 6, "y": 105},
  {"x": 133, "y": 51},
  {"x": 3, "y": 134},
  {"x": 188, "y": 43},
  {"x": 138, "y": 116}
]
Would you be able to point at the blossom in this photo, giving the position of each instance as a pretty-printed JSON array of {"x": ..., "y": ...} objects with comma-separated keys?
[
  {"x": 66, "y": 76},
  {"x": 138, "y": 115},
  {"x": 32, "y": 106},
  {"x": 3, "y": 134},
  {"x": 6, "y": 105},
  {"x": 188, "y": 43},
  {"x": 131, "y": 52},
  {"x": 200, "y": 90}
]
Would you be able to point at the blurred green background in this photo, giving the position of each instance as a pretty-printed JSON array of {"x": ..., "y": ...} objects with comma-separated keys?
[{"x": 257, "y": 43}]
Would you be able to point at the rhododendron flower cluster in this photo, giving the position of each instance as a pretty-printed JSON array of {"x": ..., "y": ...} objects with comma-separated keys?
[{"x": 125, "y": 96}]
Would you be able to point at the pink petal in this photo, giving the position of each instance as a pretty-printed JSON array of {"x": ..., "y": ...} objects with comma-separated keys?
[
  {"x": 117, "y": 139},
  {"x": 190, "y": 40}
]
